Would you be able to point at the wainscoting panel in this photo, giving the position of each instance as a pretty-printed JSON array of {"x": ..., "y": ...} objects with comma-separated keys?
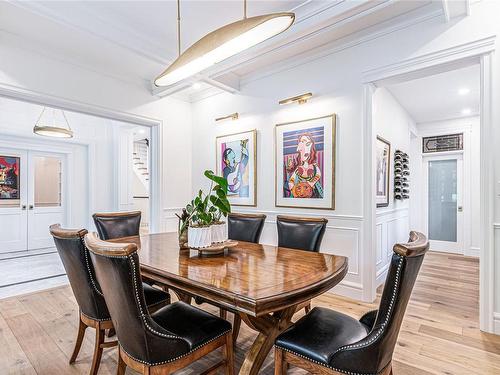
[{"x": 392, "y": 226}]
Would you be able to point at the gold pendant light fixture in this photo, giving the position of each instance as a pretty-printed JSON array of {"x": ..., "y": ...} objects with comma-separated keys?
[
  {"x": 223, "y": 43},
  {"x": 53, "y": 129}
]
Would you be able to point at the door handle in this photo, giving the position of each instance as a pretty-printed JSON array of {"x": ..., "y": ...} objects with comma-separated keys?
[
  {"x": 31, "y": 207},
  {"x": 460, "y": 208},
  {"x": 23, "y": 207}
]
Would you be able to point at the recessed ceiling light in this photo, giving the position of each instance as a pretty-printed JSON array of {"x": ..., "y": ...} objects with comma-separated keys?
[
  {"x": 466, "y": 111},
  {"x": 463, "y": 91},
  {"x": 196, "y": 85},
  {"x": 142, "y": 131}
]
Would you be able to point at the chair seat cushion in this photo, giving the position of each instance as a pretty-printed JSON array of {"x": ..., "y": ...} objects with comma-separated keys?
[
  {"x": 320, "y": 333},
  {"x": 194, "y": 325},
  {"x": 154, "y": 296}
]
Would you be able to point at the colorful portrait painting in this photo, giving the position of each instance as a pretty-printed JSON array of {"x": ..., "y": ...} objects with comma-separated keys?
[
  {"x": 305, "y": 155},
  {"x": 383, "y": 158},
  {"x": 236, "y": 162},
  {"x": 9, "y": 177}
]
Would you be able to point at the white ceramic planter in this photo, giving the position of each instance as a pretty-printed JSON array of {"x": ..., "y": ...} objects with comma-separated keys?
[
  {"x": 219, "y": 233},
  {"x": 199, "y": 237}
]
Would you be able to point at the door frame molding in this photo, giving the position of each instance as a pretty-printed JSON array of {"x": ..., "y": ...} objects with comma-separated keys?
[
  {"x": 156, "y": 174},
  {"x": 479, "y": 52}
]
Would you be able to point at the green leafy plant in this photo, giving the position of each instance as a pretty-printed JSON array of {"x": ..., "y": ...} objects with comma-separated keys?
[
  {"x": 220, "y": 205},
  {"x": 206, "y": 209}
]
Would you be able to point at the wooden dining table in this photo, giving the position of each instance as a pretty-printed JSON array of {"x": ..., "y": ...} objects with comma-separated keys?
[{"x": 263, "y": 284}]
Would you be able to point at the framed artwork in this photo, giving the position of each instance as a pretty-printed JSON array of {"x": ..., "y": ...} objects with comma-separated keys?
[
  {"x": 236, "y": 156},
  {"x": 305, "y": 163},
  {"x": 9, "y": 177},
  {"x": 383, "y": 161}
]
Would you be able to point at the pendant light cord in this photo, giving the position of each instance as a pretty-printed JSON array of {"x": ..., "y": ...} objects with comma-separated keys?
[
  {"x": 244, "y": 9},
  {"x": 53, "y": 118},
  {"x": 179, "y": 27}
]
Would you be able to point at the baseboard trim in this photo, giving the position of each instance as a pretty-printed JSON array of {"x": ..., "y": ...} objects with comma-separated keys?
[
  {"x": 473, "y": 252},
  {"x": 348, "y": 289},
  {"x": 496, "y": 323}
]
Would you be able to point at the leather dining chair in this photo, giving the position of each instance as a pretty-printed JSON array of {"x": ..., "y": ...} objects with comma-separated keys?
[
  {"x": 158, "y": 343},
  {"x": 328, "y": 342},
  {"x": 245, "y": 227},
  {"x": 301, "y": 233},
  {"x": 93, "y": 310},
  {"x": 112, "y": 225}
]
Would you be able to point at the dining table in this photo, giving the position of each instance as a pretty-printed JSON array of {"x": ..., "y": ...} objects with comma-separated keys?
[{"x": 263, "y": 284}]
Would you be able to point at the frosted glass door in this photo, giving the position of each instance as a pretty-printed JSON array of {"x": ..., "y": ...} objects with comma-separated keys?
[{"x": 443, "y": 200}]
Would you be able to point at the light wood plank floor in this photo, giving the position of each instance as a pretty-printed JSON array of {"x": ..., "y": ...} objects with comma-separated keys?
[{"x": 440, "y": 333}]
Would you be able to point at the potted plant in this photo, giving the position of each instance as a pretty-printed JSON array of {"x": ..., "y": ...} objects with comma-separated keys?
[
  {"x": 220, "y": 206},
  {"x": 199, "y": 230}
]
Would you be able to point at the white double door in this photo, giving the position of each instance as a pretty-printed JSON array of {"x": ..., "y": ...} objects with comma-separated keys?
[
  {"x": 25, "y": 216},
  {"x": 444, "y": 202}
]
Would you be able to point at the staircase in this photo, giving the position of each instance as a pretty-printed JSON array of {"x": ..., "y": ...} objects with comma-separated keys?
[
  {"x": 141, "y": 162},
  {"x": 141, "y": 181}
]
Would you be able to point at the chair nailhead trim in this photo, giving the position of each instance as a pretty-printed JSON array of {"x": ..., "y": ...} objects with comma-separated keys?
[
  {"x": 387, "y": 317},
  {"x": 94, "y": 285},
  {"x": 178, "y": 357},
  {"x": 373, "y": 339},
  {"x": 143, "y": 316},
  {"x": 99, "y": 320},
  {"x": 323, "y": 364}
]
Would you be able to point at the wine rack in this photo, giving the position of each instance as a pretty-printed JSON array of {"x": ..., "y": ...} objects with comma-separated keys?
[{"x": 401, "y": 175}]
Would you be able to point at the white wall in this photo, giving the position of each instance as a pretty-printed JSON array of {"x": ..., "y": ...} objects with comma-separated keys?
[
  {"x": 393, "y": 123},
  {"x": 22, "y": 69},
  {"x": 336, "y": 79},
  {"x": 470, "y": 127}
]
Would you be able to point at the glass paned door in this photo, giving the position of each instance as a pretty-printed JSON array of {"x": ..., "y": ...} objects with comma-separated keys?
[
  {"x": 46, "y": 204},
  {"x": 443, "y": 193}
]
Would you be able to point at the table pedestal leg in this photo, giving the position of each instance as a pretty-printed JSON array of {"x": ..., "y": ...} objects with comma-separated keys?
[
  {"x": 269, "y": 327},
  {"x": 183, "y": 297}
]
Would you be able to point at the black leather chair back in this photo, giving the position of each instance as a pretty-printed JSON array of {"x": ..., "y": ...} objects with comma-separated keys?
[
  {"x": 76, "y": 260},
  {"x": 117, "y": 224},
  {"x": 300, "y": 233},
  {"x": 372, "y": 354},
  {"x": 118, "y": 273},
  {"x": 245, "y": 227}
]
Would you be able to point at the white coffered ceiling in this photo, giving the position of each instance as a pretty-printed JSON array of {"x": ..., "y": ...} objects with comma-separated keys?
[{"x": 135, "y": 40}]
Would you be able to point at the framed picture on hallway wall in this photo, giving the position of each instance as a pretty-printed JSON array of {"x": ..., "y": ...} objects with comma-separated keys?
[
  {"x": 383, "y": 161},
  {"x": 9, "y": 177},
  {"x": 305, "y": 163},
  {"x": 236, "y": 157}
]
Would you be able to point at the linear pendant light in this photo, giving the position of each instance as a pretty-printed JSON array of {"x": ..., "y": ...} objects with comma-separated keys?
[
  {"x": 223, "y": 43},
  {"x": 53, "y": 129}
]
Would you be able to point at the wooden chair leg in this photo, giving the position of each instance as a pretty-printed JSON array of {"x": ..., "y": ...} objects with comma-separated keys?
[
  {"x": 79, "y": 339},
  {"x": 111, "y": 332},
  {"x": 122, "y": 366},
  {"x": 229, "y": 355},
  {"x": 236, "y": 327},
  {"x": 222, "y": 313},
  {"x": 99, "y": 340},
  {"x": 307, "y": 308},
  {"x": 280, "y": 366}
]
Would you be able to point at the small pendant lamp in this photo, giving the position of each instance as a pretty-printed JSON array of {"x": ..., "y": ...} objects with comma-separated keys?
[{"x": 53, "y": 129}]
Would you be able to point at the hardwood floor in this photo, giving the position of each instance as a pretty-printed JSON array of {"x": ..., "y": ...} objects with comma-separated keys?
[{"x": 440, "y": 333}]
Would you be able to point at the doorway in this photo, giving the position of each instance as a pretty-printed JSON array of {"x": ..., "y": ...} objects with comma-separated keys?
[{"x": 33, "y": 190}]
